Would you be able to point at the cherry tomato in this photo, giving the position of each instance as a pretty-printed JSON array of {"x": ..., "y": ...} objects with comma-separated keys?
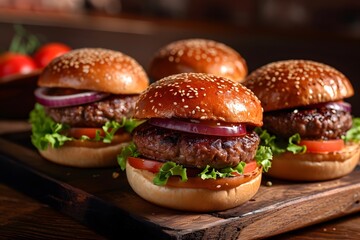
[
  {"x": 321, "y": 146},
  {"x": 47, "y": 52},
  {"x": 16, "y": 63}
]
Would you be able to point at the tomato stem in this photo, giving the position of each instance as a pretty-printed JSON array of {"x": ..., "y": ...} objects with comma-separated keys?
[{"x": 23, "y": 42}]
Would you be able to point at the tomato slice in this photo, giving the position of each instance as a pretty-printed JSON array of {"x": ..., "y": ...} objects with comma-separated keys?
[
  {"x": 90, "y": 132},
  {"x": 249, "y": 167},
  {"x": 144, "y": 164},
  {"x": 323, "y": 146}
]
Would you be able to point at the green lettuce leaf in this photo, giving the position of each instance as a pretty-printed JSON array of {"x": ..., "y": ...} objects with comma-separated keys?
[
  {"x": 353, "y": 135},
  {"x": 263, "y": 157},
  {"x": 167, "y": 170},
  {"x": 293, "y": 146},
  {"x": 45, "y": 131},
  {"x": 212, "y": 173},
  {"x": 129, "y": 151},
  {"x": 278, "y": 146}
]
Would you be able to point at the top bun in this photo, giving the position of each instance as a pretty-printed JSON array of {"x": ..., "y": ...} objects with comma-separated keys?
[
  {"x": 199, "y": 96},
  {"x": 198, "y": 55},
  {"x": 95, "y": 69},
  {"x": 295, "y": 83}
]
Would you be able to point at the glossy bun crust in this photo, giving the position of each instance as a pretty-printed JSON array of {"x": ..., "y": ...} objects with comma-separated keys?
[
  {"x": 294, "y": 83},
  {"x": 199, "y": 96},
  {"x": 95, "y": 69},
  {"x": 198, "y": 55}
]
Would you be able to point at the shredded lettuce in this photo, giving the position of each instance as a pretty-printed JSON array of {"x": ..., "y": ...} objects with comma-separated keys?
[
  {"x": 278, "y": 146},
  {"x": 353, "y": 135},
  {"x": 46, "y": 132}
]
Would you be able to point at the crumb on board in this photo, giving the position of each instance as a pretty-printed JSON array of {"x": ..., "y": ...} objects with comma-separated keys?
[
  {"x": 268, "y": 183},
  {"x": 115, "y": 175}
]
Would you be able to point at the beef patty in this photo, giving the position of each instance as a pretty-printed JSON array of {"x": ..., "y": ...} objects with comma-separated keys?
[
  {"x": 95, "y": 114},
  {"x": 193, "y": 149},
  {"x": 321, "y": 123}
]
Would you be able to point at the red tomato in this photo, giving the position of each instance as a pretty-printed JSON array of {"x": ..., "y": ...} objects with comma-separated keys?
[
  {"x": 90, "y": 132},
  {"x": 47, "y": 52},
  {"x": 321, "y": 146},
  {"x": 144, "y": 164},
  {"x": 16, "y": 63}
]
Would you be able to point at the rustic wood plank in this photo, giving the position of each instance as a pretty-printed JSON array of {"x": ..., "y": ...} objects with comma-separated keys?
[
  {"x": 23, "y": 218},
  {"x": 108, "y": 205}
]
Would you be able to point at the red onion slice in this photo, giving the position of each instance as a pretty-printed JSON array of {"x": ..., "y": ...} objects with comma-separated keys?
[
  {"x": 339, "y": 106},
  {"x": 67, "y": 100},
  {"x": 233, "y": 130}
]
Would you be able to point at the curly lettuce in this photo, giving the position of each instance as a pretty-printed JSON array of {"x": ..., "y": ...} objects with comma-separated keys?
[
  {"x": 128, "y": 151},
  {"x": 278, "y": 146},
  {"x": 46, "y": 132}
]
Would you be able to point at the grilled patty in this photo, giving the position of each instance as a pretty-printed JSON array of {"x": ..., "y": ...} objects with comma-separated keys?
[
  {"x": 322, "y": 123},
  {"x": 95, "y": 114},
  {"x": 193, "y": 149}
]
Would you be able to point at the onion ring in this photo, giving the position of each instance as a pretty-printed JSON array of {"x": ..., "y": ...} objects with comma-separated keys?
[
  {"x": 67, "y": 100},
  {"x": 234, "y": 130}
]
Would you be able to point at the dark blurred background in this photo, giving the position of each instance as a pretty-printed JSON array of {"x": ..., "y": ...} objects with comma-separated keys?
[{"x": 261, "y": 30}]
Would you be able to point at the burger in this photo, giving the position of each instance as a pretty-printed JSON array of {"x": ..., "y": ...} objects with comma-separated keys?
[
  {"x": 307, "y": 123},
  {"x": 196, "y": 149},
  {"x": 85, "y": 102},
  {"x": 198, "y": 56}
]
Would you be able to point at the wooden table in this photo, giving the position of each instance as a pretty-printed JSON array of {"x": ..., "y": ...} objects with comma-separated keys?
[{"x": 22, "y": 217}]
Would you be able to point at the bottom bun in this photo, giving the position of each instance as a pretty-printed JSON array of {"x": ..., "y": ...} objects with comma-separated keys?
[
  {"x": 315, "y": 166},
  {"x": 190, "y": 199},
  {"x": 84, "y": 157}
]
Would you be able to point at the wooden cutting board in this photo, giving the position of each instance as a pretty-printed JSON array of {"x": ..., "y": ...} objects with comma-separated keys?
[{"x": 103, "y": 200}]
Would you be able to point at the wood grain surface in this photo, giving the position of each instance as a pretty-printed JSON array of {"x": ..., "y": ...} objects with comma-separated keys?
[{"x": 102, "y": 200}]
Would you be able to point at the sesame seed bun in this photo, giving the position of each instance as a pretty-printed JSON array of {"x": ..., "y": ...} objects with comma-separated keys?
[
  {"x": 199, "y": 96},
  {"x": 82, "y": 69},
  {"x": 294, "y": 83},
  {"x": 190, "y": 199},
  {"x": 198, "y": 55}
]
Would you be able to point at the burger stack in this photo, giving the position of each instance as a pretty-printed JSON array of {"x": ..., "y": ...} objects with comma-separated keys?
[
  {"x": 307, "y": 123},
  {"x": 204, "y": 132}
]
